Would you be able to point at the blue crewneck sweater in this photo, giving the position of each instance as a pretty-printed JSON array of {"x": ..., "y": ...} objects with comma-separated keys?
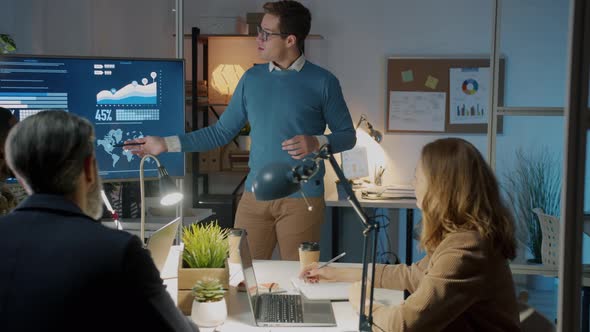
[{"x": 280, "y": 105}]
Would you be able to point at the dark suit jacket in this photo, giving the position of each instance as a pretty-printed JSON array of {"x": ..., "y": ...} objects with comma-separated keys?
[{"x": 60, "y": 270}]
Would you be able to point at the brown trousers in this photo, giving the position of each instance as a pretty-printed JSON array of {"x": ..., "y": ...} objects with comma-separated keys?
[{"x": 286, "y": 221}]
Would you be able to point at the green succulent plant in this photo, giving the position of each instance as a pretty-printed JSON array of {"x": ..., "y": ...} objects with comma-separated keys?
[
  {"x": 208, "y": 290},
  {"x": 205, "y": 246}
]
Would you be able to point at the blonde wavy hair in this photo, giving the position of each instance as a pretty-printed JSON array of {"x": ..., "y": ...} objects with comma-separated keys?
[{"x": 463, "y": 194}]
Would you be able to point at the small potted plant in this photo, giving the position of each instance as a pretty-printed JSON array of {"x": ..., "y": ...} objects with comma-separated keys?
[
  {"x": 7, "y": 44},
  {"x": 205, "y": 253},
  {"x": 209, "y": 307},
  {"x": 534, "y": 183}
]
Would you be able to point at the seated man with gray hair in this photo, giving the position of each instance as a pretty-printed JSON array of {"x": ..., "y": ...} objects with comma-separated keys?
[{"x": 61, "y": 270}]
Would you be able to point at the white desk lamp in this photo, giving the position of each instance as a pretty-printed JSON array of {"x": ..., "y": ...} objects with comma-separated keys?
[
  {"x": 169, "y": 194},
  {"x": 374, "y": 133},
  {"x": 371, "y": 139}
]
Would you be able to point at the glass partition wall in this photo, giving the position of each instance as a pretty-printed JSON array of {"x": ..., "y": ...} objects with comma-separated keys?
[{"x": 539, "y": 157}]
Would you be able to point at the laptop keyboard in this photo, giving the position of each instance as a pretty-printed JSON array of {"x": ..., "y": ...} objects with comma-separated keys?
[{"x": 280, "y": 308}]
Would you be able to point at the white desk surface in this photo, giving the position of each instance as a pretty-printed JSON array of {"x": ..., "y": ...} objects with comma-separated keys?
[
  {"x": 239, "y": 316},
  {"x": 545, "y": 270},
  {"x": 332, "y": 201}
]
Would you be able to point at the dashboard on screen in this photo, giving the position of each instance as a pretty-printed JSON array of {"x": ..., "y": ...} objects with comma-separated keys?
[{"x": 123, "y": 98}]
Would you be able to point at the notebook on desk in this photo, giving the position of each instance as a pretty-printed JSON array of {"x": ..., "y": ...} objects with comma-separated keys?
[
  {"x": 332, "y": 291},
  {"x": 340, "y": 291},
  {"x": 388, "y": 193},
  {"x": 281, "y": 309}
]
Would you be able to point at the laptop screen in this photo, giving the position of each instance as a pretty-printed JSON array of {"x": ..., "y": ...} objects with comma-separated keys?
[
  {"x": 161, "y": 241},
  {"x": 248, "y": 271}
]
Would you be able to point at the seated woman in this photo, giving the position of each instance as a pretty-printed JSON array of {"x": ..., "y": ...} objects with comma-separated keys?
[{"x": 464, "y": 282}]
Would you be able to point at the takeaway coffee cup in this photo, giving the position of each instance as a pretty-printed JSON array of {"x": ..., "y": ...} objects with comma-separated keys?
[
  {"x": 235, "y": 234},
  {"x": 309, "y": 252}
]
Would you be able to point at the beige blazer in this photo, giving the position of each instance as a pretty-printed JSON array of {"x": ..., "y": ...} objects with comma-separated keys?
[{"x": 460, "y": 287}]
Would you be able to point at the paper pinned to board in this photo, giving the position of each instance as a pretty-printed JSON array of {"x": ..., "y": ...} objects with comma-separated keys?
[
  {"x": 417, "y": 110},
  {"x": 431, "y": 82},
  {"x": 407, "y": 76}
]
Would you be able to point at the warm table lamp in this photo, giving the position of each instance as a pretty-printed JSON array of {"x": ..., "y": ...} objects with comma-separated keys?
[
  {"x": 225, "y": 78},
  {"x": 169, "y": 194},
  {"x": 371, "y": 138},
  {"x": 277, "y": 180}
]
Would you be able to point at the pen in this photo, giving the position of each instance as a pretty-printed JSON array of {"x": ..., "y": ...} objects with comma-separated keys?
[
  {"x": 120, "y": 145},
  {"x": 332, "y": 260}
]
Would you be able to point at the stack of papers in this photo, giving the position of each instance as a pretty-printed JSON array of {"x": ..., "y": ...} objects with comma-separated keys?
[
  {"x": 334, "y": 291},
  {"x": 389, "y": 192}
]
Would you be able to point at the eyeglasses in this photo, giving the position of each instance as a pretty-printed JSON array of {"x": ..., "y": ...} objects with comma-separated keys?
[{"x": 263, "y": 34}]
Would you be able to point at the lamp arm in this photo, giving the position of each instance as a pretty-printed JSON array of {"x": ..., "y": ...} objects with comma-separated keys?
[
  {"x": 351, "y": 197},
  {"x": 365, "y": 319},
  {"x": 114, "y": 213},
  {"x": 361, "y": 119},
  {"x": 142, "y": 195}
]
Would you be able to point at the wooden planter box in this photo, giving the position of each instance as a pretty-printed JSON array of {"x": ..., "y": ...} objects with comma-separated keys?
[{"x": 188, "y": 277}]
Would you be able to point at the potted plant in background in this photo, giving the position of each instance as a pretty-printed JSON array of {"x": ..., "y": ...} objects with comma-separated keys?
[
  {"x": 7, "y": 44},
  {"x": 204, "y": 256},
  {"x": 209, "y": 307},
  {"x": 244, "y": 137},
  {"x": 236, "y": 155},
  {"x": 534, "y": 182}
]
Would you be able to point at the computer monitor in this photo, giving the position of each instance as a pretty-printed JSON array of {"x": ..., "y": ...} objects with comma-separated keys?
[{"x": 124, "y": 98}]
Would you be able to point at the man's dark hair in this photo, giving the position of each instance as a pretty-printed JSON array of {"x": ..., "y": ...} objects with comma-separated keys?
[
  {"x": 294, "y": 18},
  {"x": 47, "y": 151},
  {"x": 5, "y": 116}
]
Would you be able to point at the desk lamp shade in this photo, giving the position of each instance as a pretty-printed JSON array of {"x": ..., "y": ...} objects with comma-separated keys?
[
  {"x": 169, "y": 194},
  {"x": 274, "y": 181}
]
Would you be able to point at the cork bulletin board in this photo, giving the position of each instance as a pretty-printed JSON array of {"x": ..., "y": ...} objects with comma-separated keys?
[{"x": 440, "y": 95}]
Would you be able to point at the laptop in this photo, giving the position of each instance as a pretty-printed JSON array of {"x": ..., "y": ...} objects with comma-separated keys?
[
  {"x": 281, "y": 309},
  {"x": 160, "y": 242}
]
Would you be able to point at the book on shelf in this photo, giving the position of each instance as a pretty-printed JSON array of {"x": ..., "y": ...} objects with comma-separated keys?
[
  {"x": 242, "y": 165},
  {"x": 239, "y": 156}
]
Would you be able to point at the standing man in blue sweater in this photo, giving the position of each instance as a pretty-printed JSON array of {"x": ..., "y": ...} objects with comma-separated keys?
[{"x": 288, "y": 102}]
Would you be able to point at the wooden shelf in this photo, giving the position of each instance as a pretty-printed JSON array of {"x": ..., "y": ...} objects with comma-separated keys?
[
  {"x": 205, "y": 37},
  {"x": 234, "y": 171},
  {"x": 214, "y": 105}
]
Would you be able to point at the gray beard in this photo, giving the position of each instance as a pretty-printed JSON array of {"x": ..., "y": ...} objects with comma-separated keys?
[{"x": 94, "y": 201}]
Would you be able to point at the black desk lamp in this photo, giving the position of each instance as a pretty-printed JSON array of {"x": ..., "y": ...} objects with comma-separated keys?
[{"x": 277, "y": 180}]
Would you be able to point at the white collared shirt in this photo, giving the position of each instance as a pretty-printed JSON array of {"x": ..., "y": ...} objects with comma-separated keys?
[{"x": 297, "y": 65}]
